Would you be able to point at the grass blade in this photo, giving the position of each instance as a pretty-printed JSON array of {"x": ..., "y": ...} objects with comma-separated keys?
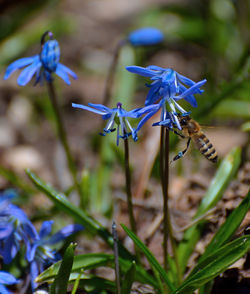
[
  {"x": 215, "y": 263},
  {"x": 94, "y": 260},
  {"x": 227, "y": 230},
  {"x": 128, "y": 279},
  {"x": 78, "y": 214},
  {"x": 60, "y": 284},
  {"x": 224, "y": 174},
  {"x": 152, "y": 260}
]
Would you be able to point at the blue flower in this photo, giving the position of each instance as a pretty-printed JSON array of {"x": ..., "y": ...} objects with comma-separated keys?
[
  {"x": 39, "y": 252},
  {"x": 15, "y": 227},
  {"x": 117, "y": 116},
  {"x": 168, "y": 86},
  {"x": 6, "y": 279},
  {"x": 41, "y": 65},
  {"x": 145, "y": 37}
]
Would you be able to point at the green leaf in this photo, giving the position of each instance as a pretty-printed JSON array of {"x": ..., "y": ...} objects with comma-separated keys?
[
  {"x": 77, "y": 213},
  {"x": 152, "y": 260},
  {"x": 128, "y": 279},
  {"x": 215, "y": 263},
  {"x": 98, "y": 284},
  {"x": 94, "y": 260},
  {"x": 224, "y": 174},
  {"x": 60, "y": 283},
  {"x": 246, "y": 127},
  {"x": 227, "y": 230}
]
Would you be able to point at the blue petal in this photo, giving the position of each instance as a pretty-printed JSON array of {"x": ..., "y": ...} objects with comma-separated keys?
[
  {"x": 149, "y": 108},
  {"x": 3, "y": 290},
  {"x": 165, "y": 123},
  {"x": 28, "y": 72},
  {"x": 30, "y": 230},
  {"x": 134, "y": 113},
  {"x": 191, "y": 99},
  {"x": 19, "y": 64},
  {"x": 101, "y": 107},
  {"x": 88, "y": 108},
  {"x": 145, "y": 37},
  {"x": 141, "y": 71},
  {"x": 62, "y": 71},
  {"x": 185, "y": 80},
  {"x": 45, "y": 228},
  {"x": 10, "y": 249},
  {"x": 155, "y": 67},
  {"x": 5, "y": 230},
  {"x": 50, "y": 55},
  {"x": 190, "y": 91},
  {"x": 7, "y": 279},
  {"x": 17, "y": 212},
  {"x": 153, "y": 93},
  {"x": 62, "y": 74},
  {"x": 144, "y": 120},
  {"x": 189, "y": 82},
  {"x": 64, "y": 233},
  {"x": 34, "y": 272},
  {"x": 30, "y": 254}
]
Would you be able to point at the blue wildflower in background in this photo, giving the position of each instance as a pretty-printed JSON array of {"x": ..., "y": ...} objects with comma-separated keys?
[
  {"x": 41, "y": 65},
  {"x": 168, "y": 86},
  {"x": 16, "y": 230},
  {"x": 116, "y": 116},
  {"x": 14, "y": 227},
  {"x": 39, "y": 252},
  {"x": 145, "y": 37},
  {"x": 6, "y": 279}
]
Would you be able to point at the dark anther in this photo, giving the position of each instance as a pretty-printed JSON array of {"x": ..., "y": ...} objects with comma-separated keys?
[{"x": 47, "y": 33}]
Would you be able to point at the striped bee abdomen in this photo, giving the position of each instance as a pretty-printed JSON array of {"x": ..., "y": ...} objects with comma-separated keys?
[{"x": 205, "y": 146}]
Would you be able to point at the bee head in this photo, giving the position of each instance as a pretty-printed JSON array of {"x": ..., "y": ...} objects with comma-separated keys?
[{"x": 184, "y": 120}]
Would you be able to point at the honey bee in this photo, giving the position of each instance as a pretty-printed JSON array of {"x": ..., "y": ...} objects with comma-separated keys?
[{"x": 192, "y": 130}]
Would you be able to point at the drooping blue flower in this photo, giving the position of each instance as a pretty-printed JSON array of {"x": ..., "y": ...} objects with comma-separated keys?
[
  {"x": 168, "y": 86},
  {"x": 39, "y": 252},
  {"x": 116, "y": 116},
  {"x": 42, "y": 65},
  {"x": 146, "y": 37},
  {"x": 6, "y": 279}
]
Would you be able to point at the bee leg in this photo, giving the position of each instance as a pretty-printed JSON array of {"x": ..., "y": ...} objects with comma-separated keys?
[
  {"x": 178, "y": 134},
  {"x": 182, "y": 153}
]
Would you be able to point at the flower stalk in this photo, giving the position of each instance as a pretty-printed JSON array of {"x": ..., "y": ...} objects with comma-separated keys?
[
  {"x": 167, "y": 226},
  {"x": 129, "y": 194},
  {"x": 63, "y": 137},
  {"x": 116, "y": 254}
]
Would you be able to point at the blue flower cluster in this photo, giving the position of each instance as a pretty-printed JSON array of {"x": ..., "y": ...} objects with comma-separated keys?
[
  {"x": 166, "y": 89},
  {"x": 41, "y": 65},
  {"x": 117, "y": 116},
  {"x": 17, "y": 230}
]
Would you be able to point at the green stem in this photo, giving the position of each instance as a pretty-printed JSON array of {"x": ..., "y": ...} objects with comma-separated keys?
[
  {"x": 163, "y": 185},
  {"x": 63, "y": 137},
  {"x": 129, "y": 194},
  {"x": 167, "y": 227},
  {"x": 128, "y": 188},
  {"x": 167, "y": 218},
  {"x": 116, "y": 254}
]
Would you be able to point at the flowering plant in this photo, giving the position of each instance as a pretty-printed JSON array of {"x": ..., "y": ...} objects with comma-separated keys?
[{"x": 41, "y": 65}]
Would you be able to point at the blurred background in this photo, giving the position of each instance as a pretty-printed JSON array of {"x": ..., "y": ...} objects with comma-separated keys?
[{"x": 203, "y": 39}]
